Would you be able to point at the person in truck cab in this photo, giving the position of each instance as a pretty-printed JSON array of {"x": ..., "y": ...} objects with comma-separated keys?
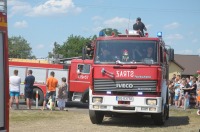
[
  {"x": 105, "y": 55},
  {"x": 139, "y": 26},
  {"x": 137, "y": 54},
  {"x": 149, "y": 53}
]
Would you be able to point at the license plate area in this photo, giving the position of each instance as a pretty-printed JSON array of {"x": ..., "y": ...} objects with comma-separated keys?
[{"x": 124, "y": 98}]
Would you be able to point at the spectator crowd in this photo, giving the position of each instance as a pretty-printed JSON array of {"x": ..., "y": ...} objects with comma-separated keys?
[{"x": 184, "y": 92}]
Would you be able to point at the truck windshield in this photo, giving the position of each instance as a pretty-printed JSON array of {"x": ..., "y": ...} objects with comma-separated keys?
[{"x": 126, "y": 52}]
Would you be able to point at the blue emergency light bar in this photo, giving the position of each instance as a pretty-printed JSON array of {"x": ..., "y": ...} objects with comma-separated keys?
[
  {"x": 101, "y": 33},
  {"x": 159, "y": 34}
]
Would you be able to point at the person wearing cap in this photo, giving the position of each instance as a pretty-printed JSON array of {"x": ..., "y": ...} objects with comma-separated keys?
[{"x": 139, "y": 26}]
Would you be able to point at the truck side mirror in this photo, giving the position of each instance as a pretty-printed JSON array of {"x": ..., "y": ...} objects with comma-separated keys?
[{"x": 171, "y": 54}]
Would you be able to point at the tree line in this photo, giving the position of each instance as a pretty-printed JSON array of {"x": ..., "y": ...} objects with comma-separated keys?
[{"x": 19, "y": 47}]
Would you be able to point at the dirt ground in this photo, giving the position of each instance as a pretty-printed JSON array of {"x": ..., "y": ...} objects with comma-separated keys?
[{"x": 77, "y": 120}]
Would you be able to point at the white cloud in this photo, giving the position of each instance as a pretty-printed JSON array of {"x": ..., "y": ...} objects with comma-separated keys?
[
  {"x": 54, "y": 7},
  {"x": 21, "y": 24},
  {"x": 174, "y": 36},
  {"x": 16, "y": 6},
  {"x": 40, "y": 46},
  {"x": 97, "y": 29},
  {"x": 173, "y": 25},
  {"x": 97, "y": 18},
  {"x": 117, "y": 23},
  {"x": 195, "y": 40},
  {"x": 49, "y": 8}
]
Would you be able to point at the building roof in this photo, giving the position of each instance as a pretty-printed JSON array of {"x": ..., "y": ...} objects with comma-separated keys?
[
  {"x": 191, "y": 63},
  {"x": 178, "y": 65}
]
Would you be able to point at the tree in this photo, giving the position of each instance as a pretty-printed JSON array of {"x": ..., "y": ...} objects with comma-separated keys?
[
  {"x": 19, "y": 48},
  {"x": 109, "y": 31},
  {"x": 72, "y": 47}
]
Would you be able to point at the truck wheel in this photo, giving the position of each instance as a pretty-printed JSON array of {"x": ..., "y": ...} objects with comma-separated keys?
[
  {"x": 159, "y": 118},
  {"x": 167, "y": 112},
  {"x": 96, "y": 117},
  {"x": 40, "y": 96},
  {"x": 85, "y": 96}
]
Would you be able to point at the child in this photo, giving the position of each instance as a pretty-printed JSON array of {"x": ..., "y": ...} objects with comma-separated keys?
[
  {"x": 177, "y": 95},
  {"x": 62, "y": 94}
]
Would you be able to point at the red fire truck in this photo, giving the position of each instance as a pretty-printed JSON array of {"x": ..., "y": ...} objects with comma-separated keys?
[
  {"x": 131, "y": 79},
  {"x": 77, "y": 74},
  {"x": 4, "y": 89}
]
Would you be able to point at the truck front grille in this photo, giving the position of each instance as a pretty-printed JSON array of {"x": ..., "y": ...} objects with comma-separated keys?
[{"x": 124, "y": 86}]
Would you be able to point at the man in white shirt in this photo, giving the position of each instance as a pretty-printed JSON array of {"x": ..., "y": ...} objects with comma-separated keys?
[{"x": 15, "y": 82}]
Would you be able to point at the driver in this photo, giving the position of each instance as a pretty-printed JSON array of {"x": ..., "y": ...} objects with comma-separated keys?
[
  {"x": 105, "y": 55},
  {"x": 149, "y": 52}
]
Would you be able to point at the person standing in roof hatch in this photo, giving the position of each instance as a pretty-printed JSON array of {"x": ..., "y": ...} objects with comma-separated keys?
[{"x": 139, "y": 26}]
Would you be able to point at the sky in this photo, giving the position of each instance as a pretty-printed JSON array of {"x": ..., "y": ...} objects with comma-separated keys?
[{"x": 43, "y": 22}]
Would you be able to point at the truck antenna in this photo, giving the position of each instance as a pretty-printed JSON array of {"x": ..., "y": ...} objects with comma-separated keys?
[{"x": 129, "y": 21}]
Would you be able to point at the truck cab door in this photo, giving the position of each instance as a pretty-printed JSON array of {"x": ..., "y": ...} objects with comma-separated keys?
[{"x": 79, "y": 77}]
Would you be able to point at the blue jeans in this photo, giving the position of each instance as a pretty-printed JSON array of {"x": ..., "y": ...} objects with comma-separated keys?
[{"x": 187, "y": 102}]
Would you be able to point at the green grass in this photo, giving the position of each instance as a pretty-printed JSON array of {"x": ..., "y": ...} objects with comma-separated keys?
[{"x": 35, "y": 115}]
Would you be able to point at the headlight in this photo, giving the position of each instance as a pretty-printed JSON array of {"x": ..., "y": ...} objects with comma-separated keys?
[
  {"x": 151, "y": 102},
  {"x": 97, "y": 99}
]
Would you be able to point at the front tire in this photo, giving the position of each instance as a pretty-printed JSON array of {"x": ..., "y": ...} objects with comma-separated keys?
[
  {"x": 96, "y": 117},
  {"x": 85, "y": 96},
  {"x": 159, "y": 118}
]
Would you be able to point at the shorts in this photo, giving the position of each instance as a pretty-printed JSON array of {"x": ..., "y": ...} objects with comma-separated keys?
[
  {"x": 176, "y": 98},
  {"x": 52, "y": 94},
  {"x": 14, "y": 94},
  {"x": 29, "y": 93}
]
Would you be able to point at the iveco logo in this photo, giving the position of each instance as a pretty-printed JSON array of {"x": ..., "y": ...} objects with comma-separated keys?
[{"x": 124, "y": 85}]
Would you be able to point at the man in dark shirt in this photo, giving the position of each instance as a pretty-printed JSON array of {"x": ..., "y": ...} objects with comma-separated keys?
[
  {"x": 105, "y": 55},
  {"x": 139, "y": 26},
  {"x": 29, "y": 81},
  {"x": 89, "y": 50}
]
